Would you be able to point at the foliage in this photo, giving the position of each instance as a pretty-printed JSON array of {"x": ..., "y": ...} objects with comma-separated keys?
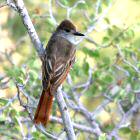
[{"x": 105, "y": 77}]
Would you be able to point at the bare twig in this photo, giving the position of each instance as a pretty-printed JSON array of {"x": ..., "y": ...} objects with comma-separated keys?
[
  {"x": 125, "y": 61},
  {"x": 65, "y": 115},
  {"x": 86, "y": 85},
  {"x": 96, "y": 21},
  {"x": 98, "y": 4},
  {"x": 51, "y": 13},
  {"x": 21, "y": 127},
  {"x": 125, "y": 116},
  {"x": 75, "y": 125},
  {"x": 43, "y": 130},
  {"x": 69, "y": 9},
  {"x": 21, "y": 9},
  {"x": 39, "y": 127},
  {"x": 80, "y": 108},
  {"x": 10, "y": 101},
  {"x": 77, "y": 106},
  {"x": 11, "y": 4}
]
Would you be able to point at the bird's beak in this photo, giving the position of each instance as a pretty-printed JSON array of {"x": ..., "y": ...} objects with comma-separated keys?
[{"x": 78, "y": 34}]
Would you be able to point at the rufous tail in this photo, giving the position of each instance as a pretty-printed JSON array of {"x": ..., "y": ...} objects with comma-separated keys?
[{"x": 44, "y": 108}]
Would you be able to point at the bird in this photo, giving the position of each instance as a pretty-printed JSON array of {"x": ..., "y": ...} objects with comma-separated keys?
[{"x": 58, "y": 60}]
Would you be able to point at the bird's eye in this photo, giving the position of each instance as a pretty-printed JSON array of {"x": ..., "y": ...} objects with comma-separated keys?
[{"x": 67, "y": 30}]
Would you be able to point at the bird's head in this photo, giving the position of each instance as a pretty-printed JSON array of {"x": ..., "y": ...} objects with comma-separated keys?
[{"x": 67, "y": 30}]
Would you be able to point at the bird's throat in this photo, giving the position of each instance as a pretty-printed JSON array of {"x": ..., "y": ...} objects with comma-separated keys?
[{"x": 69, "y": 37}]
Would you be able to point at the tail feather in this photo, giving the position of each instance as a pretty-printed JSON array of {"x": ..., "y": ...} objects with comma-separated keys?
[{"x": 44, "y": 108}]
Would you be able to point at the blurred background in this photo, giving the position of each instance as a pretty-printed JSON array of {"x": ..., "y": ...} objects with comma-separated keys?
[{"x": 105, "y": 78}]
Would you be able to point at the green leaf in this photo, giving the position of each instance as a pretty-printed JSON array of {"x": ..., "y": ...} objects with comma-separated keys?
[
  {"x": 100, "y": 9},
  {"x": 97, "y": 74},
  {"x": 125, "y": 130},
  {"x": 131, "y": 33},
  {"x": 107, "y": 2},
  {"x": 106, "y": 60},
  {"x": 82, "y": 5},
  {"x": 86, "y": 67},
  {"x": 92, "y": 16},
  {"x": 19, "y": 80},
  {"x": 96, "y": 53},
  {"x": 50, "y": 21},
  {"x": 3, "y": 101},
  {"x": 65, "y": 2},
  {"x": 108, "y": 78},
  {"x": 109, "y": 127},
  {"x": 14, "y": 113},
  {"x": 122, "y": 94},
  {"x": 90, "y": 52},
  {"x": 33, "y": 75},
  {"x": 110, "y": 32},
  {"x": 50, "y": 24},
  {"x": 43, "y": 138},
  {"x": 102, "y": 137},
  {"x": 131, "y": 97},
  {"x": 35, "y": 134},
  {"x": 107, "y": 20},
  {"x": 105, "y": 40},
  {"x": 14, "y": 72}
]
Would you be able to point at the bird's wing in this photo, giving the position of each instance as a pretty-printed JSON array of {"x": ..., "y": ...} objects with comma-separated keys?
[{"x": 59, "y": 59}]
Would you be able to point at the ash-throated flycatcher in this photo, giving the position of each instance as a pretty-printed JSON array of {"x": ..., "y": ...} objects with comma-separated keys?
[{"x": 59, "y": 58}]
